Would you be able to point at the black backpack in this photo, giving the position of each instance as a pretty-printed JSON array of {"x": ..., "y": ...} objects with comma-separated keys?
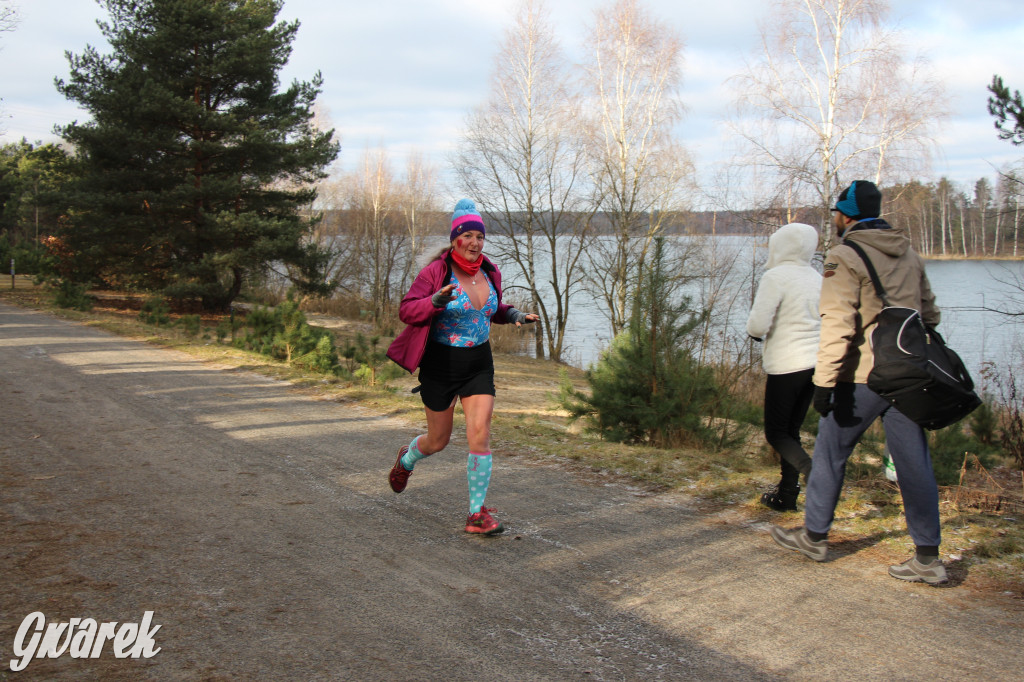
[{"x": 914, "y": 370}]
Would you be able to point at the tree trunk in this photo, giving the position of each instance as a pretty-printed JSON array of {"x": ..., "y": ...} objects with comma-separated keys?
[
  {"x": 1016, "y": 226},
  {"x": 963, "y": 229}
]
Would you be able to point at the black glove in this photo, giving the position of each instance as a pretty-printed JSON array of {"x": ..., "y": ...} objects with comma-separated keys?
[
  {"x": 823, "y": 400},
  {"x": 441, "y": 299},
  {"x": 518, "y": 317}
]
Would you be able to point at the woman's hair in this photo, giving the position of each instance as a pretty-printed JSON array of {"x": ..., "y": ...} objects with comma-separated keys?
[{"x": 441, "y": 254}]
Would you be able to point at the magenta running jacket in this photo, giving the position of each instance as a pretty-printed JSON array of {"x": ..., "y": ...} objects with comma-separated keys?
[{"x": 417, "y": 311}]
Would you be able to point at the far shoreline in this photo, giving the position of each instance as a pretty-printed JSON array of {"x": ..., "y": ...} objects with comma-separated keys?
[{"x": 948, "y": 257}]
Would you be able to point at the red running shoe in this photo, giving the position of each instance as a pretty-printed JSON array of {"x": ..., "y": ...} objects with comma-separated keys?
[
  {"x": 399, "y": 476},
  {"x": 482, "y": 523}
]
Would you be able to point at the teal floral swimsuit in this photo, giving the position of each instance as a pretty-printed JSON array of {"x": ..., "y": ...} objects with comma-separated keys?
[{"x": 461, "y": 325}]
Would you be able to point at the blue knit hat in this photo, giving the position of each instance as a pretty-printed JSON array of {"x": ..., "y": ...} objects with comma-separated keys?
[
  {"x": 465, "y": 218},
  {"x": 860, "y": 200}
]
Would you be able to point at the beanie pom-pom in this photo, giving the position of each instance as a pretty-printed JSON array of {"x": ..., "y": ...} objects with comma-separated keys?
[
  {"x": 465, "y": 217},
  {"x": 465, "y": 206}
]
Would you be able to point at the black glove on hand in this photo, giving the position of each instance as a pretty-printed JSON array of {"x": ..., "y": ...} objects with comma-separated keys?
[
  {"x": 823, "y": 400},
  {"x": 441, "y": 299},
  {"x": 518, "y": 317}
]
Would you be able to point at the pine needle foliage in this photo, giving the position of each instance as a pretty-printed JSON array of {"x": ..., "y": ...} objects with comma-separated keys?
[
  {"x": 368, "y": 361},
  {"x": 196, "y": 170},
  {"x": 648, "y": 388},
  {"x": 1008, "y": 110},
  {"x": 283, "y": 333}
]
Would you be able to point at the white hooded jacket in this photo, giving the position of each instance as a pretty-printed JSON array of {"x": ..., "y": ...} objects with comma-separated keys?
[{"x": 785, "y": 311}]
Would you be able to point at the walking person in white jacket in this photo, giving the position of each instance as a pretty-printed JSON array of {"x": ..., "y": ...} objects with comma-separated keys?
[{"x": 785, "y": 316}]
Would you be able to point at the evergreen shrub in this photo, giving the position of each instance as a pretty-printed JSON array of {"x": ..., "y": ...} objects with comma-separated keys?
[
  {"x": 647, "y": 386},
  {"x": 155, "y": 311},
  {"x": 948, "y": 448},
  {"x": 68, "y": 294},
  {"x": 368, "y": 362},
  {"x": 191, "y": 325},
  {"x": 29, "y": 256},
  {"x": 283, "y": 333}
]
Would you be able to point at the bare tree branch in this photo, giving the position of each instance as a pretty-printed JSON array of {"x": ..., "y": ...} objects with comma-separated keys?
[
  {"x": 8, "y": 17},
  {"x": 831, "y": 97},
  {"x": 640, "y": 172},
  {"x": 522, "y": 160}
]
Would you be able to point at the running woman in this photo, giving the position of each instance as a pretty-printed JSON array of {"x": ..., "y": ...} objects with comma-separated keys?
[{"x": 448, "y": 314}]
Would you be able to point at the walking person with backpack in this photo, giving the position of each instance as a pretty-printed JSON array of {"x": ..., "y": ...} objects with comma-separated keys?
[
  {"x": 849, "y": 309},
  {"x": 784, "y": 316},
  {"x": 448, "y": 313}
]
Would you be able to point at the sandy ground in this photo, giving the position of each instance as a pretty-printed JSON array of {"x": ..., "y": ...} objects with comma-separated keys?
[{"x": 255, "y": 521}]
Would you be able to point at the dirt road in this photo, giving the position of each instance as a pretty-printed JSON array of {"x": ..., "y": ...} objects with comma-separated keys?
[{"x": 256, "y": 523}]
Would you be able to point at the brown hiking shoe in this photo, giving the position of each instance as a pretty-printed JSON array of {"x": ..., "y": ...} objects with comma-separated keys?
[
  {"x": 797, "y": 539},
  {"x": 912, "y": 570}
]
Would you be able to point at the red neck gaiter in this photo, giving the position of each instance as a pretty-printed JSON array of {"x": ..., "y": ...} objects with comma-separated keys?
[{"x": 470, "y": 268}]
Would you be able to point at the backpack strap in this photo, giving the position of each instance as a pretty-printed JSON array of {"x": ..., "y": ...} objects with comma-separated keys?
[{"x": 875, "y": 280}]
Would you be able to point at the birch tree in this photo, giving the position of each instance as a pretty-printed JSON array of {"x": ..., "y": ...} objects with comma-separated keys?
[
  {"x": 522, "y": 161},
  {"x": 420, "y": 211},
  {"x": 374, "y": 226},
  {"x": 372, "y": 203},
  {"x": 944, "y": 194},
  {"x": 982, "y": 201},
  {"x": 639, "y": 169},
  {"x": 1016, "y": 224},
  {"x": 831, "y": 97}
]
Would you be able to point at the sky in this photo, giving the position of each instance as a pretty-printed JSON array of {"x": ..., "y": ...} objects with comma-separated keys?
[{"x": 403, "y": 74}]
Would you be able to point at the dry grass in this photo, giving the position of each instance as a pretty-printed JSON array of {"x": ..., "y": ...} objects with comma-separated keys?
[{"x": 985, "y": 544}]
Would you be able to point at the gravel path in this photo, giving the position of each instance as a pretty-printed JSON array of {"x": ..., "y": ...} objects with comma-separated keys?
[{"x": 256, "y": 523}]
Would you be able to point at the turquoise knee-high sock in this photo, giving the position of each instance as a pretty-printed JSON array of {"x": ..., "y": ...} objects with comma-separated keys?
[
  {"x": 478, "y": 473},
  {"x": 414, "y": 455}
]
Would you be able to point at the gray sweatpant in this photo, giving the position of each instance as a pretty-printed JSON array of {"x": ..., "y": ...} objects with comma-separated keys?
[{"x": 855, "y": 408}]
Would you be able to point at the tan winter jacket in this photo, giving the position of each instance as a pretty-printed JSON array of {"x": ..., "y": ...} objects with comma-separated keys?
[{"x": 849, "y": 305}]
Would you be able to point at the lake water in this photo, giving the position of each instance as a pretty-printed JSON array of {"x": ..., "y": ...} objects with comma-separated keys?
[{"x": 964, "y": 290}]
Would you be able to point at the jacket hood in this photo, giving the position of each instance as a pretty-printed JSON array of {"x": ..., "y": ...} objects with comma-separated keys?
[
  {"x": 892, "y": 241},
  {"x": 794, "y": 243}
]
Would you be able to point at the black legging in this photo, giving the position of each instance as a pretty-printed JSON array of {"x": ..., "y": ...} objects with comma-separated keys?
[{"x": 786, "y": 400}]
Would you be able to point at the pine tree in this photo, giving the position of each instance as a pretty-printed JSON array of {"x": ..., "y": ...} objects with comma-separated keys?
[
  {"x": 647, "y": 387},
  {"x": 33, "y": 179},
  {"x": 32, "y": 202},
  {"x": 196, "y": 165},
  {"x": 1008, "y": 110}
]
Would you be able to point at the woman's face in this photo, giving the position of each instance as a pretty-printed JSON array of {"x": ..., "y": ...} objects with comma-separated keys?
[{"x": 469, "y": 245}]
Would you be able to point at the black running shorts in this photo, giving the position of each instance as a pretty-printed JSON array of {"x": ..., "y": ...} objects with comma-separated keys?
[{"x": 447, "y": 372}]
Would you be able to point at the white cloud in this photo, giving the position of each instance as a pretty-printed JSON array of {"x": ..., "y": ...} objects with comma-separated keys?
[{"x": 404, "y": 73}]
